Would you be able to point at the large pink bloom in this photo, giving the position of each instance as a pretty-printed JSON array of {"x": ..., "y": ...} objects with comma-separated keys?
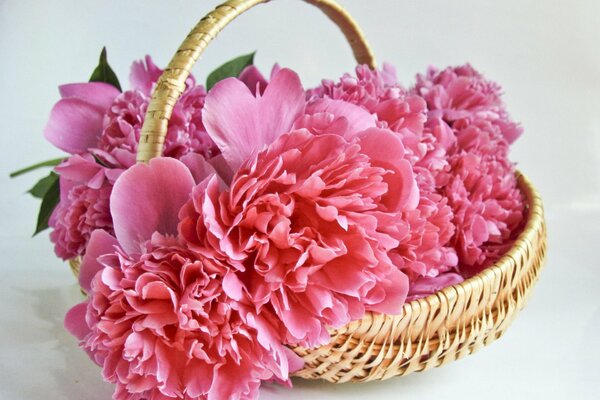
[
  {"x": 367, "y": 89},
  {"x": 124, "y": 119},
  {"x": 462, "y": 95},
  {"x": 423, "y": 233},
  {"x": 157, "y": 319},
  {"x": 302, "y": 221},
  {"x": 424, "y": 237},
  {"x": 85, "y": 188},
  {"x": 482, "y": 190},
  {"x": 94, "y": 118}
]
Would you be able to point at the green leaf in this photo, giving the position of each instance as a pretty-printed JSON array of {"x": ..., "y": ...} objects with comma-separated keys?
[
  {"x": 104, "y": 73},
  {"x": 230, "y": 69},
  {"x": 49, "y": 163},
  {"x": 49, "y": 202},
  {"x": 40, "y": 189}
]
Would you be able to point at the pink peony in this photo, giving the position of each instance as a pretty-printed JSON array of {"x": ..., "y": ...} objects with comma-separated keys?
[
  {"x": 462, "y": 94},
  {"x": 85, "y": 188},
  {"x": 94, "y": 118},
  {"x": 425, "y": 239},
  {"x": 158, "y": 320},
  {"x": 301, "y": 224},
  {"x": 123, "y": 120},
  {"x": 482, "y": 190},
  {"x": 423, "y": 233},
  {"x": 367, "y": 89}
]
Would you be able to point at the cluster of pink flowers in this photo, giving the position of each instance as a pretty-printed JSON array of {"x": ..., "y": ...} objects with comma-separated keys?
[
  {"x": 276, "y": 214},
  {"x": 100, "y": 128}
]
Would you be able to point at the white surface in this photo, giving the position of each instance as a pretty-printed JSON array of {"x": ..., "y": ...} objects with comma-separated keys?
[{"x": 546, "y": 55}]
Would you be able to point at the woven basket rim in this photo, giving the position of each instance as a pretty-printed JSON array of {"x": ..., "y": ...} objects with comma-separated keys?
[{"x": 535, "y": 219}]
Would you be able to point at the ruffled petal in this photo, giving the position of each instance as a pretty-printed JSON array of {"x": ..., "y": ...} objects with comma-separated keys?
[
  {"x": 386, "y": 150},
  {"x": 358, "y": 119},
  {"x": 100, "y": 243},
  {"x": 144, "y": 74}
]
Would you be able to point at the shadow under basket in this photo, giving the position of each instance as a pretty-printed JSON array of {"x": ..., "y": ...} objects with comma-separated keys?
[{"x": 431, "y": 331}]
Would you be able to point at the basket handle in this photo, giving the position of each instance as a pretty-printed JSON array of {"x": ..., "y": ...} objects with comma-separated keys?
[{"x": 171, "y": 84}]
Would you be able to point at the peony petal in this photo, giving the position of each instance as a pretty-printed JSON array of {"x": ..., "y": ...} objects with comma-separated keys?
[
  {"x": 223, "y": 169},
  {"x": 75, "y": 321},
  {"x": 147, "y": 199},
  {"x": 253, "y": 78},
  {"x": 82, "y": 169},
  {"x": 74, "y": 125},
  {"x": 100, "y": 243},
  {"x": 241, "y": 124},
  {"x": 198, "y": 166},
  {"x": 295, "y": 362},
  {"x": 396, "y": 288},
  {"x": 427, "y": 285},
  {"x": 232, "y": 286},
  {"x": 386, "y": 150},
  {"x": 358, "y": 118},
  {"x": 97, "y": 94},
  {"x": 144, "y": 74}
]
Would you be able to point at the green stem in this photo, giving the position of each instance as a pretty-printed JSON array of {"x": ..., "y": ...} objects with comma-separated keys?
[{"x": 49, "y": 163}]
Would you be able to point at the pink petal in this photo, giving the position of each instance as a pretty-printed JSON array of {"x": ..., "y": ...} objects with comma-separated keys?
[
  {"x": 241, "y": 124},
  {"x": 147, "y": 199},
  {"x": 74, "y": 125},
  {"x": 386, "y": 150},
  {"x": 98, "y": 94},
  {"x": 252, "y": 78},
  {"x": 427, "y": 285},
  {"x": 100, "y": 243},
  {"x": 388, "y": 74},
  {"x": 223, "y": 169},
  {"x": 295, "y": 362},
  {"x": 358, "y": 118},
  {"x": 396, "y": 289},
  {"x": 82, "y": 169},
  {"x": 198, "y": 166},
  {"x": 75, "y": 321},
  {"x": 144, "y": 74},
  {"x": 232, "y": 286}
]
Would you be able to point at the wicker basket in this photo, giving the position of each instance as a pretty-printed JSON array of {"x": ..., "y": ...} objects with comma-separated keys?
[{"x": 432, "y": 331}]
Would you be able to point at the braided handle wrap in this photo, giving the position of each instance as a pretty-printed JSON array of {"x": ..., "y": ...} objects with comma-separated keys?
[{"x": 171, "y": 84}]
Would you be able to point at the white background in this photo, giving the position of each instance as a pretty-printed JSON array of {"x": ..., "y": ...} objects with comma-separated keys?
[{"x": 545, "y": 53}]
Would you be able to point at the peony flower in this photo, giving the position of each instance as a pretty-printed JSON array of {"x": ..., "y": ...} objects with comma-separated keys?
[
  {"x": 488, "y": 209},
  {"x": 301, "y": 225},
  {"x": 95, "y": 119},
  {"x": 157, "y": 318},
  {"x": 462, "y": 95},
  {"x": 425, "y": 239},
  {"x": 423, "y": 233},
  {"x": 367, "y": 89},
  {"x": 123, "y": 124},
  {"x": 85, "y": 188}
]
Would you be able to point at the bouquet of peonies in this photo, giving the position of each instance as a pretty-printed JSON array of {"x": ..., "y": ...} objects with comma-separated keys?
[{"x": 275, "y": 214}]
